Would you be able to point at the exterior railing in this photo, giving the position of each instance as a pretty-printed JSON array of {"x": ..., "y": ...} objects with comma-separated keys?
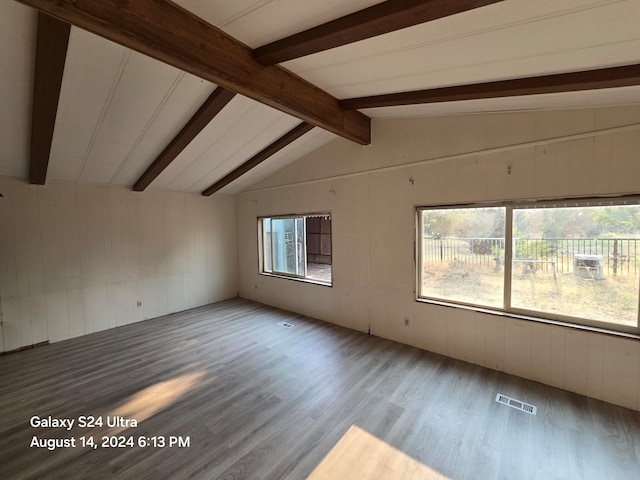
[{"x": 620, "y": 256}]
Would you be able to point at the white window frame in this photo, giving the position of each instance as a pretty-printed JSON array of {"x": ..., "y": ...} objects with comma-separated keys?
[{"x": 535, "y": 315}]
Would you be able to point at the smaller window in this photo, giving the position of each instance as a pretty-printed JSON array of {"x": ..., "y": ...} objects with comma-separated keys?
[{"x": 297, "y": 246}]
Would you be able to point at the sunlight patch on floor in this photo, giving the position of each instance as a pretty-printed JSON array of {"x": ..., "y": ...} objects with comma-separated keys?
[
  {"x": 155, "y": 398},
  {"x": 358, "y": 454}
]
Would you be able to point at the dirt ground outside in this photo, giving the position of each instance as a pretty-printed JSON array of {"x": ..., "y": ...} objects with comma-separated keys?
[{"x": 613, "y": 299}]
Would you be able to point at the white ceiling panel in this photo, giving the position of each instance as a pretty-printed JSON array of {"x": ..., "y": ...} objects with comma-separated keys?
[
  {"x": 302, "y": 147},
  {"x": 188, "y": 96},
  {"x": 143, "y": 88},
  {"x": 17, "y": 57},
  {"x": 515, "y": 39},
  {"x": 242, "y": 129},
  {"x": 91, "y": 75},
  {"x": 257, "y": 22},
  {"x": 227, "y": 121},
  {"x": 118, "y": 110},
  {"x": 256, "y": 139}
]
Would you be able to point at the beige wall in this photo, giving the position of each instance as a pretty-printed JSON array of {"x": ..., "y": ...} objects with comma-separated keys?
[
  {"x": 372, "y": 193},
  {"x": 76, "y": 259}
]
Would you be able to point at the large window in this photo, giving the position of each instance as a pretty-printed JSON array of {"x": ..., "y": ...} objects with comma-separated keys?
[
  {"x": 297, "y": 246},
  {"x": 570, "y": 261}
]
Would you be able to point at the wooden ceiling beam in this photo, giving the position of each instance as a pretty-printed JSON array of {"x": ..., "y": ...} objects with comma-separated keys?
[
  {"x": 51, "y": 52},
  {"x": 260, "y": 157},
  {"x": 173, "y": 35},
  {"x": 209, "y": 109},
  {"x": 376, "y": 20},
  {"x": 563, "y": 82}
]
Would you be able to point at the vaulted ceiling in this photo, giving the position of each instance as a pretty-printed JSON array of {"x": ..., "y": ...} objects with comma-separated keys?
[{"x": 207, "y": 109}]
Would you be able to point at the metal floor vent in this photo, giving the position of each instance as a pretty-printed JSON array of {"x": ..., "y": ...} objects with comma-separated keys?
[
  {"x": 285, "y": 324},
  {"x": 517, "y": 404}
]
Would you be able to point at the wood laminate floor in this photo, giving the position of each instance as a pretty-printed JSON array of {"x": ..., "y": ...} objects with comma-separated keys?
[{"x": 259, "y": 401}]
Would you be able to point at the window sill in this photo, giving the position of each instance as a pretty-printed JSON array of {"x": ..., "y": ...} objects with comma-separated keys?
[
  {"x": 297, "y": 279},
  {"x": 518, "y": 316}
]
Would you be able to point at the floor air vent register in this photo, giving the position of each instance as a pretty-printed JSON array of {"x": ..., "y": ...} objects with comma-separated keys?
[{"x": 517, "y": 404}]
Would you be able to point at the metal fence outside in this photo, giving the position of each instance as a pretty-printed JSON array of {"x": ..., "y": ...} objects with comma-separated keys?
[{"x": 620, "y": 256}]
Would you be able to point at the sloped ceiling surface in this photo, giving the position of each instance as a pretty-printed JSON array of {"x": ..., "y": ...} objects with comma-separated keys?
[
  {"x": 119, "y": 109},
  {"x": 17, "y": 44}
]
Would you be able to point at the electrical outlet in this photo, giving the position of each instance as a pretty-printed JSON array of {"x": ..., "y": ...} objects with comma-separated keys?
[
  {"x": 406, "y": 321},
  {"x": 139, "y": 303}
]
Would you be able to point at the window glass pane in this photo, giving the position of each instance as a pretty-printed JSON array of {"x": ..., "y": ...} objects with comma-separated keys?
[
  {"x": 284, "y": 246},
  {"x": 578, "y": 261},
  {"x": 463, "y": 255},
  {"x": 318, "y": 248}
]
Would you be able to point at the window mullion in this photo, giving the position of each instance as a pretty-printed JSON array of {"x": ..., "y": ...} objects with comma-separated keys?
[
  {"x": 273, "y": 250},
  {"x": 508, "y": 256}
]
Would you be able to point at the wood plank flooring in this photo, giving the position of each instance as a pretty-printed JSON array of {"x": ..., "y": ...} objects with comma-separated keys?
[{"x": 259, "y": 401}]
